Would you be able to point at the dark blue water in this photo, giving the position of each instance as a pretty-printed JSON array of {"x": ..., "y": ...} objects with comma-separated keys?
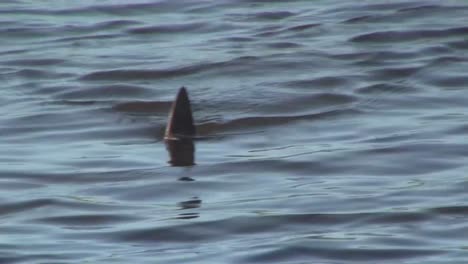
[{"x": 328, "y": 131}]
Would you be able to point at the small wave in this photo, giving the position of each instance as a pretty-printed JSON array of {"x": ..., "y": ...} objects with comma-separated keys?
[
  {"x": 172, "y": 28},
  {"x": 431, "y": 9},
  {"x": 34, "y": 62},
  {"x": 419, "y": 8},
  {"x": 302, "y": 27},
  {"x": 143, "y": 106},
  {"x": 450, "y": 81},
  {"x": 137, "y": 74},
  {"x": 86, "y": 37},
  {"x": 267, "y": 15},
  {"x": 228, "y": 66},
  {"x": 19, "y": 206},
  {"x": 88, "y": 220},
  {"x": 384, "y": 88},
  {"x": 275, "y": 31},
  {"x": 305, "y": 103},
  {"x": 113, "y": 24},
  {"x": 394, "y": 73},
  {"x": 404, "y": 13},
  {"x": 302, "y": 253},
  {"x": 273, "y": 15},
  {"x": 105, "y": 92},
  {"x": 411, "y": 35},
  {"x": 316, "y": 83},
  {"x": 147, "y": 74},
  {"x": 283, "y": 45},
  {"x": 247, "y": 123},
  {"x": 450, "y": 210},
  {"x": 361, "y": 19},
  {"x": 462, "y": 44},
  {"x": 38, "y": 74}
]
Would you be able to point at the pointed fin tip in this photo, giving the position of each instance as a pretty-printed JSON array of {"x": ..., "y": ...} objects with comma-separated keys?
[
  {"x": 183, "y": 90},
  {"x": 180, "y": 122}
]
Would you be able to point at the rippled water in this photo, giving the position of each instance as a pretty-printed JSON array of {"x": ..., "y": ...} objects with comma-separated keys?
[{"x": 328, "y": 131}]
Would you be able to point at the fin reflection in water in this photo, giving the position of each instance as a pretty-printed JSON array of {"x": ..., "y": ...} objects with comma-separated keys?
[{"x": 180, "y": 131}]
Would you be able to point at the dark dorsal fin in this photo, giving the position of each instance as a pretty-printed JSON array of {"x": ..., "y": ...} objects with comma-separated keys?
[{"x": 180, "y": 123}]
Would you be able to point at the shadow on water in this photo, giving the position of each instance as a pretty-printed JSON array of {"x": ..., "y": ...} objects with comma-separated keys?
[
  {"x": 193, "y": 203},
  {"x": 181, "y": 152}
]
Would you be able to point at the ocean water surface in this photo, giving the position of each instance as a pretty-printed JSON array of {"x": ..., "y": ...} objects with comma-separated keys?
[{"x": 328, "y": 131}]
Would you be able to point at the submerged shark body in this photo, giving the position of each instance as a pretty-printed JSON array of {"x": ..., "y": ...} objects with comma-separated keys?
[{"x": 180, "y": 131}]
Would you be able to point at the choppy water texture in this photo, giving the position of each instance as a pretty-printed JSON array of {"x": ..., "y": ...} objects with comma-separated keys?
[{"x": 328, "y": 131}]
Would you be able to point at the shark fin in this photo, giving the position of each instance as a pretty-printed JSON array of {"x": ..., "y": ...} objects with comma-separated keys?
[{"x": 180, "y": 122}]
